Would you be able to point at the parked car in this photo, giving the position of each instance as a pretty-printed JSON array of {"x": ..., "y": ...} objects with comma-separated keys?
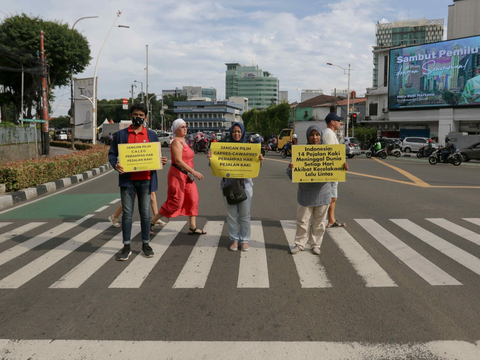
[
  {"x": 352, "y": 147},
  {"x": 165, "y": 137},
  {"x": 471, "y": 153},
  {"x": 412, "y": 143},
  {"x": 60, "y": 135}
]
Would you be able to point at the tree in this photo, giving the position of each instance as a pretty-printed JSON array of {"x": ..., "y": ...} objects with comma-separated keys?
[
  {"x": 269, "y": 121},
  {"x": 66, "y": 52}
]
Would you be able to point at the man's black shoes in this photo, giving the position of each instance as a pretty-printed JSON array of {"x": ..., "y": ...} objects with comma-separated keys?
[
  {"x": 125, "y": 254},
  {"x": 147, "y": 250}
]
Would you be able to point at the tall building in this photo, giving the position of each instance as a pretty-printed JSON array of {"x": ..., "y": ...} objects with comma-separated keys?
[
  {"x": 406, "y": 33},
  {"x": 463, "y": 19},
  {"x": 193, "y": 92},
  {"x": 260, "y": 87}
]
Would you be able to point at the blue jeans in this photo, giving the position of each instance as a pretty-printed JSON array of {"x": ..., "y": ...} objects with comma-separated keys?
[
  {"x": 142, "y": 189},
  {"x": 238, "y": 218}
]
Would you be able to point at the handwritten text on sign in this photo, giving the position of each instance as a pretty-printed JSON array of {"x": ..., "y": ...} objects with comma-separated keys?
[
  {"x": 140, "y": 157},
  {"x": 318, "y": 163},
  {"x": 235, "y": 160}
]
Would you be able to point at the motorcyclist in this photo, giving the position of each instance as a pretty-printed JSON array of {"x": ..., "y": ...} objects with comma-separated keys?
[
  {"x": 288, "y": 145},
  {"x": 448, "y": 149},
  {"x": 378, "y": 146}
]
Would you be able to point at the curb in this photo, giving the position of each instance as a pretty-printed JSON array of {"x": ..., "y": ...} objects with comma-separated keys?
[{"x": 19, "y": 196}]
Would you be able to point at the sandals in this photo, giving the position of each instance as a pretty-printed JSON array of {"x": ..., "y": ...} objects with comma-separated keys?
[
  {"x": 337, "y": 224},
  {"x": 152, "y": 226},
  {"x": 196, "y": 231}
]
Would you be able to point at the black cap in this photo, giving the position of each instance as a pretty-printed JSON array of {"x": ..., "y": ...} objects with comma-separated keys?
[{"x": 331, "y": 117}]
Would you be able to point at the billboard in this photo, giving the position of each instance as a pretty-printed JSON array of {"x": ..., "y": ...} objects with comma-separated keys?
[
  {"x": 442, "y": 74},
  {"x": 82, "y": 90}
]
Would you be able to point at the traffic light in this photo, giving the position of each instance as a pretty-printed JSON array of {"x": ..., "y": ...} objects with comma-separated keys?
[{"x": 354, "y": 118}]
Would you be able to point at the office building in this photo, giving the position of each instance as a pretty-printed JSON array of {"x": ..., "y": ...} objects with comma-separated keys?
[
  {"x": 201, "y": 115},
  {"x": 463, "y": 19},
  {"x": 259, "y": 86},
  {"x": 405, "y": 33}
]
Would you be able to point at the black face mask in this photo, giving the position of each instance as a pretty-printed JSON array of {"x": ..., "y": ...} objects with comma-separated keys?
[{"x": 137, "y": 121}]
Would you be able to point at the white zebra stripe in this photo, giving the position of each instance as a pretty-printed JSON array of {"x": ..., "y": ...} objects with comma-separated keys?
[
  {"x": 83, "y": 271},
  {"x": 29, "y": 271},
  {"x": 253, "y": 272},
  {"x": 362, "y": 262},
  {"x": 457, "y": 230},
  {"x": 310, "y": 270},
  {"x": 195, "y": 272},
  {"x": 461, "y": 256},
  {"x": 137, "y": 271},
  {"x": 19, "y": 231},
  {"x": 423, "y": 267}
]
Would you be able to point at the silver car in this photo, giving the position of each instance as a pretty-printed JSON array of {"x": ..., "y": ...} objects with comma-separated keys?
[
  {"x": 352, "y": 147},
  {"x": 413, "y": 143}
]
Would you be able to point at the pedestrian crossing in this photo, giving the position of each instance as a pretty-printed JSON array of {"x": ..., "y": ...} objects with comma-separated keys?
[{"x": 253, "y": 266}]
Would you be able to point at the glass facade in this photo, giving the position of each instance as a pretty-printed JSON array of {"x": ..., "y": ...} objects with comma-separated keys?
[{"x": 261, "y": 89}]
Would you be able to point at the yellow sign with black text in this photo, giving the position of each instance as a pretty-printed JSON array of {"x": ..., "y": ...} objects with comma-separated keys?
[
  {"x": 235, "y": 160},
  {"x": 318, "y": 163},
  {"x": 140, "y": 156}
]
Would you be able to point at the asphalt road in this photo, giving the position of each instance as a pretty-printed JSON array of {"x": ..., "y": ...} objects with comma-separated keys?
[{"x": 402, "y": 280}]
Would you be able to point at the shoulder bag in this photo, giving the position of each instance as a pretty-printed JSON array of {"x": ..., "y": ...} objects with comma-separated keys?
[{"x": 235, "y": 192}]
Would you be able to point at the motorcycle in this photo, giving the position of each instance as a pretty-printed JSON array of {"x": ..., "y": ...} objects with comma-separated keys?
[
  {"x": 382, "y": 153},
  {"x": 201, "y": 146},
  {"x": 453, "y": 158},
  {"x": 425, "y": 152},
  {"x": 267, "y": 148}
]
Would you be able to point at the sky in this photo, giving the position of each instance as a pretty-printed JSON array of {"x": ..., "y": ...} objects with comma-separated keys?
[{"x": 189, "y": 41}]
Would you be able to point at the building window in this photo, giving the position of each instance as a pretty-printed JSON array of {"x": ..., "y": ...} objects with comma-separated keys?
[
  {"x": 373, "y": 109},
  {"x": 385, "y": 71}
]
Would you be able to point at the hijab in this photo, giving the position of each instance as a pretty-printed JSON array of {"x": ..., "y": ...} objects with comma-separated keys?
[
  {"x": 243, "y": 139},
  {"x": 310, "y": 129},
  {"x": 176, "y": 124}
]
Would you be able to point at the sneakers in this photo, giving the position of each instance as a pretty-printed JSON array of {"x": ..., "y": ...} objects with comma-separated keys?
[
  {"x": 147, "y": 250},
  {"x": 125, "y": 254},
  {"x": 295, "y": 250},
  {"x": 114, "y": 221},
  {"x": 316, "y": 250},
  {"x": 234, "y": 246},
  {"x": 245, "y": 246}
]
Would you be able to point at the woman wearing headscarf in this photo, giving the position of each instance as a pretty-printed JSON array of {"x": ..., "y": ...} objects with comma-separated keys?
[
  {"x": 182, "y": 198},
  {"x": 313, "y": 202},
  {"x": 238, "y": 216}
]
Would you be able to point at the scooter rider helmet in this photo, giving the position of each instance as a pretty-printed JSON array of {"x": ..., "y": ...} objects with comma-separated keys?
[
  {"x": 447, "y": 139},
  {"x": 294, "y": 136}
]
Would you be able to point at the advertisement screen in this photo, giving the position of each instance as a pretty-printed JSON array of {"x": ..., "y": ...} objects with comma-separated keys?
[
  {"x": 442, "y": 74},
  {"x": 83, "y": 94}
]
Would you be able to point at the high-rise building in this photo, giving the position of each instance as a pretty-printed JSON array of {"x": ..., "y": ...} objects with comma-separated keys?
[
  {"x": 463, "y": 19},
  {"x": 405, "y": 32},
  {"x": 259, "y": 86}
]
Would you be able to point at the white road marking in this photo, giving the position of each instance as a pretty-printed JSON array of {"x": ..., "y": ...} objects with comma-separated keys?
[
  {"x": 22, "y": 248},
  {"x": 29, "y": 271},
  {"x": 83, "y": 271},
  {"x": 461, "y": 256},
  {"x": 253, "y": 272},
  {"x": 101, "y": 209},
  {"x": 423, "y": 267},
  {"x": 362, "y": 262},
  {"x": 19, "y": 231},
  {"x": 137, "y": 271},
  {"x": 2, "y": 224},
  {"x": 310, "y": 270},
  {"x": 54, "y": 349},
  {"x": 195, "y": 272},
  {"x": 114, "y": 201},
  {"x": 457, "y": 230}
]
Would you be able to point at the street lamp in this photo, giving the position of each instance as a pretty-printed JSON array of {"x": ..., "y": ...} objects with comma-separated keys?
[
  {"x": 141, "y": 88},
  {"x": 345, "y": 72},
  {"x": 72, "y": 116},
  {"x": 94, "y": 103}
]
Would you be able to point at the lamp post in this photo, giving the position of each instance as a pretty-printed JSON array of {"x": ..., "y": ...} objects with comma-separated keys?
[
  {"x": 94, "y": 102},
  {"x": 345, "y": 72},
  {"x": 72, "y": 116},
  {"x": 141, "y": 88}
]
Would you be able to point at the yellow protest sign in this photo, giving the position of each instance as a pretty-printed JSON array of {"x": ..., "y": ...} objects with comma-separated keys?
[
  {"x": 235, "y": 160},
  {"x": 140, "y": 156},
  {"x": 318, "y": 163}
]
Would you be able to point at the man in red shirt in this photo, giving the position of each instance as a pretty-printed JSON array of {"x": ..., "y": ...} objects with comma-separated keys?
[{"x": 140, "y": 184}]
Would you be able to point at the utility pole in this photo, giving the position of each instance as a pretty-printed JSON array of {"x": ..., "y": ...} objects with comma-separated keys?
[
  {"x": 132, "y": 93},
  {"x": 146, "y": 91},
  {"x": 45, "y": 137}
]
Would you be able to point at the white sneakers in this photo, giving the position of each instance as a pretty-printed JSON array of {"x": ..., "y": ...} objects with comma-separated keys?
[{"x": 296, "y": 249}]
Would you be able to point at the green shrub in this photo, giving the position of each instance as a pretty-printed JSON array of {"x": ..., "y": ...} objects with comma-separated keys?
[{"x": 22, "y": 174}]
